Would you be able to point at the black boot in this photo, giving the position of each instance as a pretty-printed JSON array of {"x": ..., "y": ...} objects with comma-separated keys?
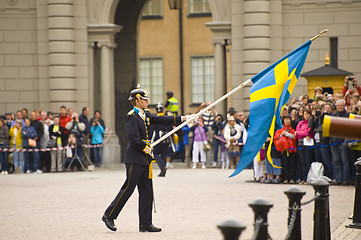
[
  {"x": 109, "y": 223},
  {"x": 162, "y": 172},
  {"x": 149, "y": 228}
]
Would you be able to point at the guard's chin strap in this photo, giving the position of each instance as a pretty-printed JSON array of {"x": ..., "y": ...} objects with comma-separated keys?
[{"x": 138, "y": 97}]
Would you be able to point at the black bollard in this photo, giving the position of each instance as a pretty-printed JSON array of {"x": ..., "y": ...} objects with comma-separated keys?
[
  {"x": 356, "y": 219},
  {"x": 260, "y": 208},
  {"x": 320, "y": 225},
  {"x": 294, "y": 195},
  {"x": 231, "y": 229},
  {"x": 328, "y": 228}
]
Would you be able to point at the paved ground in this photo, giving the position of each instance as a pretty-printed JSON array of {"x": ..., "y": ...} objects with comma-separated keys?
[{"x": 190, "y": 203}]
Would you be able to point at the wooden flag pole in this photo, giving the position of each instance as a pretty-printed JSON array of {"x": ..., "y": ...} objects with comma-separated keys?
[{"x": 195, "y": 116}]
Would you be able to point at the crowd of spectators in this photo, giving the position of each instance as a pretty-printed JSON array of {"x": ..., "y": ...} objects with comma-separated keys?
[
  {"x": 63, "y": 135},
  {"x": 295, "y": 147}
]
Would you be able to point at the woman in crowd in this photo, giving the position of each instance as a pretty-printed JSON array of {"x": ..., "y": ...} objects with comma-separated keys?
[
  {"x": 28, "y": 132},
  {"x": 16, "y": 142},
  {"x": 305, "y": 140},
  {"x": 285, "y": 142},
  {"x": 97, "y": 131},
  {"x": 4, "y": 143},
  {"x": 232, "y": 133},
  {"x": 199, "y": 139},
  {"x": 56, "y": 134}
]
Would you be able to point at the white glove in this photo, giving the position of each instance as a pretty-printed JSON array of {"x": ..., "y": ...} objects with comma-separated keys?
[
  {"x": 148, "y": 150},
  {"x": 192, "y": 116}
]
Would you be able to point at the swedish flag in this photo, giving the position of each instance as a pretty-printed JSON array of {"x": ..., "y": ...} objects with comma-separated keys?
[{"x": 270, "y": 91}]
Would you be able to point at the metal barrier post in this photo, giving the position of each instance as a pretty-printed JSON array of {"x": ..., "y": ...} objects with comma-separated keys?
[
  {"x": 328, "y": 227},
  {"x": 260, "y": 208},
  {"x": 356, "y": 219},
  {"x": 320, "y": 213},
  {"x": 231, "y": 229},
  {"x": 294, "y": 195}
]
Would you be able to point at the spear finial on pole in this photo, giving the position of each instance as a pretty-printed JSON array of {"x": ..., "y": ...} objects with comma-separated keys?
[{"x": 320, "y": 34}]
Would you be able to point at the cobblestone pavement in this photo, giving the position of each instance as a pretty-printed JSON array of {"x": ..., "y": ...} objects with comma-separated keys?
[{"x": 189, "y": 202}]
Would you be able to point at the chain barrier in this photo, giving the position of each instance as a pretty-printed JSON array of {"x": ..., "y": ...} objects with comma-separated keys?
[
  {"x": 57, "y": 148},
  {"x": 311, "y": 200},
  {"x": 257, "y": 228},
  {"x": 291, "y": 224}
]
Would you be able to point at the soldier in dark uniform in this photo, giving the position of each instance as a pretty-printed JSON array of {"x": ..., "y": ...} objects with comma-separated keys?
[
  {"x": 163, "y": 149},
  {"x": 138, "y": 162}
]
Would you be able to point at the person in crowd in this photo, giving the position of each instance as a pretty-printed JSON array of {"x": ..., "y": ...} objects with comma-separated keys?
[
  {"x": 285, "y": 142},
  {"x": 4, "y": 143},
  {"x": 98, "y": 117},
  {"x": 76, "y": 127},
  {"x": 70, "y": 112},
  {"x": 305, "y": 140},
  {"x": 300, "y": 114},
  {"x": 350, "y": 85},
  {"x": 19, "y": 116},
  {"x": 171, "y": 104},
  {"x": 293, "y": 112},
  {"x": 37, "y": 114},
  {"x": 217, "y": 128},
  {"x": 64, "y": 119},
  {"x": 231, "y": 112},
  {"x": 16, "y": 142},
  {"x": 340, "y": 151},
  {"x": 97, "y": 131},
  {"x": 24, "y": 113},
  {"x": 39, "y": 128},
  {"x": 273, "y": 172},
  {"x": 8, "y": 120},
  {"x": 71, "y": 149},
  {"x": 223, "y": 150},
  {"x": 232, "y": 134},
  {"x": 29, "y": 135},
  {"x": 323, "y": 143},
  {"x": 208, "y": 120},
  {"x": 187, "y": 139},
  {"x": 319, "y": 94},
  {"x": 50, "y": 115},
  {"x": 199, "y": 139},
  {"x": 57, "y": 139},
  {"x": 45, "y": 162},
  {"x": 83, "y": 118}
]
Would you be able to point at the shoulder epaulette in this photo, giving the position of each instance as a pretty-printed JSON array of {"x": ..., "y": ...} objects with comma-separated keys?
[
  {"x": 131, "y": 112},
  {"x": 147, "y": 110}
]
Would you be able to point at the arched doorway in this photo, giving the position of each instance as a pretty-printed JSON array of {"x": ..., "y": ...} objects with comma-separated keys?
[{"x": 127, "y": 15}]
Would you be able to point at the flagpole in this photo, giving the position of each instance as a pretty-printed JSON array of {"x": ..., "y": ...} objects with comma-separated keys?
[
  {"x": 320, "y": 34},
  {"x": 195, "y": 116}
]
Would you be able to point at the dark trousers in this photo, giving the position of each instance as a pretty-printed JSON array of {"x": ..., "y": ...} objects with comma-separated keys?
[
  {"x": 289, "y": 162},
  {"x": 161, "y": 152},
  {"x": 306, "y": 158},
  {"x": 137, "y": 175}
]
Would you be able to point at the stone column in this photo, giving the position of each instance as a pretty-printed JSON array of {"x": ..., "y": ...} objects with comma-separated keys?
[
  {"x": 61, "y": 54},
  {"x": 91, "y": 46},
  {"x": 219, "y": 75},
  {"x": 256, "y": 39},
  {"x": 111, "y": 150}
]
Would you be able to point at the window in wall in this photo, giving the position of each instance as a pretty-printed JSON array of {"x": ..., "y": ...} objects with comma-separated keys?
[
  {"x": 153, "y": 9},
  {"x": 334, "y": 51},
  {"x": 202, "y": 79},
  {"x": 196, "y": 7},
  {"x": 151, "y": 78}
]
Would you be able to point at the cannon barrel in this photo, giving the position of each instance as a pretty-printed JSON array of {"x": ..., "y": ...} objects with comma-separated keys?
[{"x": 342, "y": 127}]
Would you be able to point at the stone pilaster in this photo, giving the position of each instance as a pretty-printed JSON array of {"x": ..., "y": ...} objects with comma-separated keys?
[{"x": 61, "y": 54}]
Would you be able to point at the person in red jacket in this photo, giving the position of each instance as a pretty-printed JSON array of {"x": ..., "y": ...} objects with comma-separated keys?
[
  {"x": 64, "y": 119},
  {"x": 285, "y": 142}
]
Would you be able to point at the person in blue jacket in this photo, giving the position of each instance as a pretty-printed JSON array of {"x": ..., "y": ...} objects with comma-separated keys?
[
  {"x": 29, "y": 132},
  {"x": 97, "y": 131}
]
